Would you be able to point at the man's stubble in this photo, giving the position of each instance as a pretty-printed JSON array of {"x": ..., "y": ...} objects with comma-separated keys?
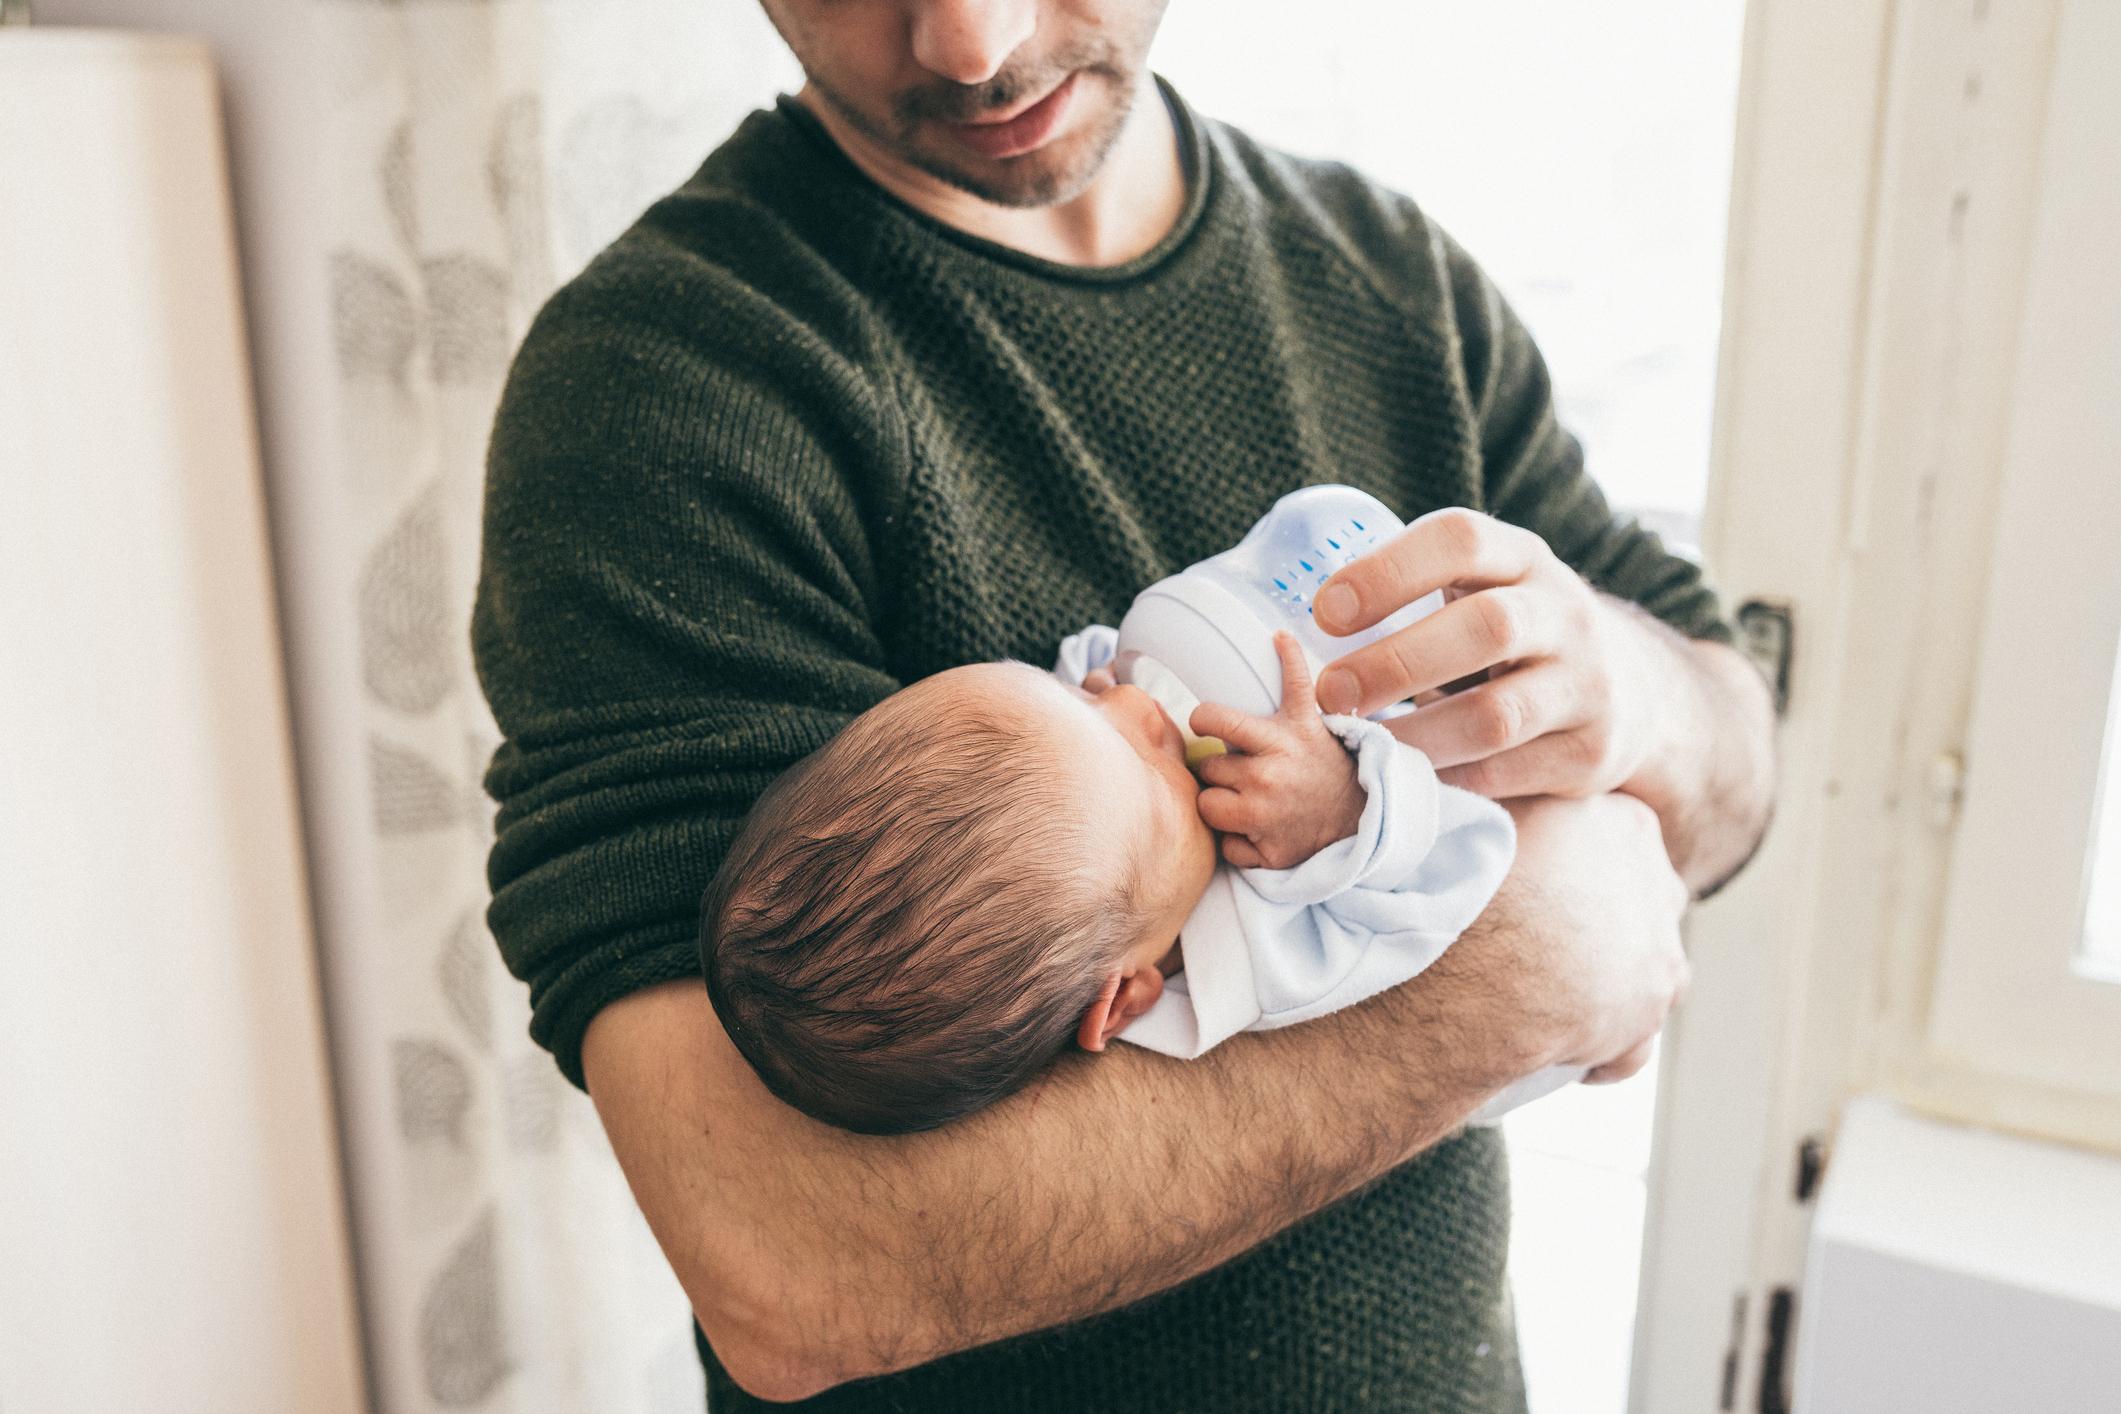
[
  {"x": 1032, "y": 180},
  {"x": 1043, "y": 177}
]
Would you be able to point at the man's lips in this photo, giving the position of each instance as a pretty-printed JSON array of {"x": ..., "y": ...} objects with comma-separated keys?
[{"x": 1020, "y": 132}]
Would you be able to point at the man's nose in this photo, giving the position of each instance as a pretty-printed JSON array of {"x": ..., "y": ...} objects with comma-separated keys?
[{"x": 968, "y": 41}]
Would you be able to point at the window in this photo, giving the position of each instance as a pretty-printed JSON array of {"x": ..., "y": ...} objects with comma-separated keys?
[
  {"x": 2026, "y": 988},
  {"x": 1581, "y": 152},
  {"x": 2099, "y": 953}
]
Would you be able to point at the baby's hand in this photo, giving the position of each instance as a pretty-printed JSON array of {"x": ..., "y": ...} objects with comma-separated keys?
[{"x": 1292, "y": 791}]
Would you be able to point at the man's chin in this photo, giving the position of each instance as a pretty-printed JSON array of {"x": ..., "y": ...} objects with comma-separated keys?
[
  {"x": 1020, "y": 182},
  {"x": 1056, "y": 172},
  {"x": 1060, "y": 171}
]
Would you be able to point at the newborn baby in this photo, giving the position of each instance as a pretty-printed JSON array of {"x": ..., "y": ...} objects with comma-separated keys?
[{"x": 998, "y": 862}]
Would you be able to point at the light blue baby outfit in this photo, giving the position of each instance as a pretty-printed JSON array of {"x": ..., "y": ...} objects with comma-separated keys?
[{"x": 1271, "y": 947}]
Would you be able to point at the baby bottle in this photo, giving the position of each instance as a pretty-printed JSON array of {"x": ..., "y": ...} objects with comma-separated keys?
[{"x": 1206, "y": 634}]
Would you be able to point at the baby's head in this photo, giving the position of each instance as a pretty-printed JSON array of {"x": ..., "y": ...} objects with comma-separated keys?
[{"x": 919, "y": 916}]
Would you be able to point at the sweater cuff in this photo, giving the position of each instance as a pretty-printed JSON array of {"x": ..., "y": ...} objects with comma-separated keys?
[
  {"x": 1396, "y": 832},
  {"x": 564, "y": 1005}
]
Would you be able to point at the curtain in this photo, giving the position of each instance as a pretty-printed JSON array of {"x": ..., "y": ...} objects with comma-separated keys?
[{"x": 473, "y": 154}]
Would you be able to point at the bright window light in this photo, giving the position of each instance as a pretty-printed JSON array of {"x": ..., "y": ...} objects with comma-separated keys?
[{"x": 2099, "y": 952}]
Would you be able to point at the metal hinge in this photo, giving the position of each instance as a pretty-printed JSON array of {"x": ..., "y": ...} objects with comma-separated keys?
[
  {"x": 1772, "y": 1393},
  {"x": 1767, "y": 635},
  {"x": 1732, "y": 1352},
  {"x": 1811, "y": 1163},
  {"x": 1775, "y": 1367}
]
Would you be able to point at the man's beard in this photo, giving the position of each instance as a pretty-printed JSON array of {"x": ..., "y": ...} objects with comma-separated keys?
[{"x": 1041, "y": 177}]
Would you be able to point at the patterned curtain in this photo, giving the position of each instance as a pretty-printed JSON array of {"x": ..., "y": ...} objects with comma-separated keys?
[{"x": 475, "y": 153}]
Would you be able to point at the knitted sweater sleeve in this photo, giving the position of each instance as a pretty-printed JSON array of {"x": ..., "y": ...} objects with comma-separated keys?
[
  {"x": 677, "y": 599},
  {"x": 1533, "y": 468}
]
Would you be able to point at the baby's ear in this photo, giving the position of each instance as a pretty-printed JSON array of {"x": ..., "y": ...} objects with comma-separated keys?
[{"x": 1130, "y": 989}]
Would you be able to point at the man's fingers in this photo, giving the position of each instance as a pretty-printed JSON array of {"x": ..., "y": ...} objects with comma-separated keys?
[
  {"x": 1462, "y": 638},
  {"x": 1453, "y": 546},
  {"x": 1624, "y": 1065},
  {"x": 1238, "y": 729},
  {"x": 1559, "y": 763},
  {"x": 1514, "y": 709}
]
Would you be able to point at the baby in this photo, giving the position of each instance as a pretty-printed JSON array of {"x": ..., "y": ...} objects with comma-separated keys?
[{"x": 998, "y": 862}]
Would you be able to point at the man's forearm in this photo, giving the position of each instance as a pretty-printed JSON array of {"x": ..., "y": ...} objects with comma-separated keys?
[
  {"x": 1126, "y": 1178},
  {"x": 814, "y": 1256},
  {"x": 1713, "y": 782}
]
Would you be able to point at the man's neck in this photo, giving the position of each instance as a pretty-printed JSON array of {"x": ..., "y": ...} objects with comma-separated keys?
[{"x": 1132, "y": 203}]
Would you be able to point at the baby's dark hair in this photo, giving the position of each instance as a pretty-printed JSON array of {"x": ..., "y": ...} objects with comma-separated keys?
[{"x": 909, "y": 925}]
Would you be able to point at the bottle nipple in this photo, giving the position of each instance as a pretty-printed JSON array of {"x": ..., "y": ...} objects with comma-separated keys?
[
  {"x": 1200, "y": 748},
  {"x": 1164, "y": 688}
]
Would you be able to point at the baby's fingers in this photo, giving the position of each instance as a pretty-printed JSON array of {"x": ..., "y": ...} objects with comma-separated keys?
[
  {"x": 1228, "y": 811},
  {"x": 1239, "y": 851},
  {"x": 1240, "y": 730},
  {"x": 1296, "y": 698},
  {"x": 1236, "y": 772}
]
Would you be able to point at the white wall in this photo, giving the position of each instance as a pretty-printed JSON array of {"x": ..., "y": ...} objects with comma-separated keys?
[{"x": 172, "y": 1227}]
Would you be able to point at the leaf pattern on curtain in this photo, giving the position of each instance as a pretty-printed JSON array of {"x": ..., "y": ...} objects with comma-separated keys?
[{"x": 476, "y": 153}]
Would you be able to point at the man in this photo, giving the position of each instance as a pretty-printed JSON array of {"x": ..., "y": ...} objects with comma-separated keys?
[{"x": 938, "y": 361}]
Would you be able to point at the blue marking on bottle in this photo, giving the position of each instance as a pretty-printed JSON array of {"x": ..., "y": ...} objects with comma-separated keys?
[
  {"x": 1305, "y": 563},
  {"x": 1356, "y": 523},
  {"x": 1331, "y": 541}
]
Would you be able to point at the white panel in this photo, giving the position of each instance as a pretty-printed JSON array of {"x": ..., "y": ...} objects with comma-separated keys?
[{"x": 171, "y": 1222}]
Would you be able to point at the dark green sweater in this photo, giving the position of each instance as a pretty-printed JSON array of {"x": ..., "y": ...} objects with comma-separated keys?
[{"x": 788, "y": 445}]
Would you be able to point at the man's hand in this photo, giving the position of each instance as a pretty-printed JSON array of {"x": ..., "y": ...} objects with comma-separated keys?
[
  {"x": 1609, "y": 1007},
  {"x": 1572, "y": 701},
  {"x": 1288, "y": 789},
  {"x": 1582, "y": 693}
]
